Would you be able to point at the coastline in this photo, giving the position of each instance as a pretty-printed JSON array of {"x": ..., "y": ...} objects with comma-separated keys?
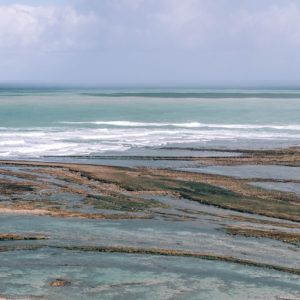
[
  {"x": 234, "y": 212},
  {"x": 177, "y": 183}
]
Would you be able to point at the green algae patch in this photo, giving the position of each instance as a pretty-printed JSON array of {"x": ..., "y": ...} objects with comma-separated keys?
[
  {"x": 8, "y": 188},
  {"x": 223, "y": 198},
  {"x": 116, "y": 201}
]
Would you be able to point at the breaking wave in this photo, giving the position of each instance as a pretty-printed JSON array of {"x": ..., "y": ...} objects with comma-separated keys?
[
  {"x": 187, "y": 125},
  {"x": 69, "y": 140}
]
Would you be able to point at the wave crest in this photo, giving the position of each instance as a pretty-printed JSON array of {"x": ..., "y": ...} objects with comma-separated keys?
[{"x": 187, "y": 125}]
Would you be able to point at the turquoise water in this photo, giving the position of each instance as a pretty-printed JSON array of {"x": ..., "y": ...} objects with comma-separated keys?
[
  {"x": 130, "y": 276},
  {"x": 94, "y": 275},
  {"x": 41, "y": 122},
  {"x": 201, "y": 235}
]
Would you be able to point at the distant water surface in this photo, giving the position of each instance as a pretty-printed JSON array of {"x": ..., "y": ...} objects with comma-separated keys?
[{"x": 37, "y": 122}]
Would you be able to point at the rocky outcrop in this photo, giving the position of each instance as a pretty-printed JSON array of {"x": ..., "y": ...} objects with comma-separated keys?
[
  {"x": 11, "y": 237},
  {"x": 60, "y": 282}
]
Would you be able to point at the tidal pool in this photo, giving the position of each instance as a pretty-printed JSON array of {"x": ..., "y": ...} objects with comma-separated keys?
[
  {"x": 291, "y": 187},
  {"x": 203, "y": 235},
  {"x": 94, "y": 275},
  {"x": 251, "y": 171}
]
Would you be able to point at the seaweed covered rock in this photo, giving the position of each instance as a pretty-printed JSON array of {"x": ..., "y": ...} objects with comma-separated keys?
[{"x": 60, "y": 282}]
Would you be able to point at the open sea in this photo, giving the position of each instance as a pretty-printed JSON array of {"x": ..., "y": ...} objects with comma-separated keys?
[{"x": 41, "y": 122}]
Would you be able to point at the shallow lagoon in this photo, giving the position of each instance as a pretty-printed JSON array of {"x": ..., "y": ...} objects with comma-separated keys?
[
  {"x": 201, "y": 235},
  {"x": 127, "y": 276}
]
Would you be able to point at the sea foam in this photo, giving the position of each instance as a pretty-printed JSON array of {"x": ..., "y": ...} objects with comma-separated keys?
[
  {"x": 81, "y": 140},
  {"x": 187, "y": 125}
]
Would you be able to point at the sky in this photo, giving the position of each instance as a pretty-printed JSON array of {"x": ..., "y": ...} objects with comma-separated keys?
[{"x": 149, "y": 42}]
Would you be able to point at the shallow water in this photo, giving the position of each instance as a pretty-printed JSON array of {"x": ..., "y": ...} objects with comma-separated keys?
[
  {"x": 251, "y": 171},
  {"x": 130, "y": 276},
  {"x": 131, "y": 163},
  {"x": 157, "y": 151},
  {"x": 279, "y": 186},
  {"x": 200, "y": 235}
]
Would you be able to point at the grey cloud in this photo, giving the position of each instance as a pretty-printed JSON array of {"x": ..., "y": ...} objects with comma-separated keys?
[{"x": 149, "y": 40}]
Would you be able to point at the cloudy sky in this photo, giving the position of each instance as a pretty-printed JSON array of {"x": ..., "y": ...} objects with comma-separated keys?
[{"x": 149, "y": 42}]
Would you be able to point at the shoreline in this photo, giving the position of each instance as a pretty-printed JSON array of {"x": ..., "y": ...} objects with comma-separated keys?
[
  {"x": 114, "y": 181},
  {"x": 233, "y": 212}
]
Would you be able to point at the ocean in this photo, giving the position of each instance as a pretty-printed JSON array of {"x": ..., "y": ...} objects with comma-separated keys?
[{"x": 41, "y": 122}]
